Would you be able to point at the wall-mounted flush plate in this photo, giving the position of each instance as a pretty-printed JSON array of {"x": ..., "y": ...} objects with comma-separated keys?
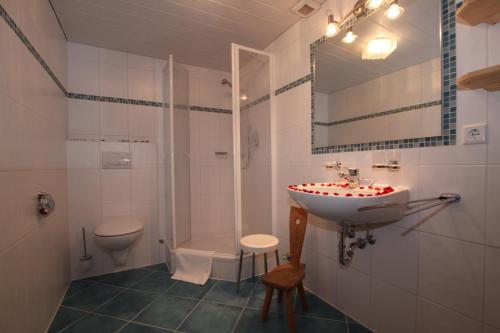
[
  {"x": 473, "y": 134},
  {"x": 116, "y": 160}
]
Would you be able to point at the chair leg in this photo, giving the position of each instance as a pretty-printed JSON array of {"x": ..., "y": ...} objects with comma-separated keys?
[
  {"x": 302, "y": 296},
  {"x": 253, "y": 266},
  {"x": 289, "y": 312},
  {"x": 277, "y": 257},
  {"x": 265, "y": 262},
  {"x": 280, "y": 296},
  {"x": 239, "y": 271},
  {"x": 267, "y": 303}
]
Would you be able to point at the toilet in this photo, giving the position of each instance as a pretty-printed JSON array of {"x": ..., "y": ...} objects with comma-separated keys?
[{"x": 117, "y": 234}]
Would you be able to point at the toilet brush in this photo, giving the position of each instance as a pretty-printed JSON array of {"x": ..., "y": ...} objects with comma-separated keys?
[{"x": 85, "y": 260}]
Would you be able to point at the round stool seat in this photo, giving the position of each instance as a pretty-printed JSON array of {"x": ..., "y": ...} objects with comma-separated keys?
[{"x": 259, "y": 243}]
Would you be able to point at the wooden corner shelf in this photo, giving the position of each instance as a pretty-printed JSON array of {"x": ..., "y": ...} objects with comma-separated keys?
[
  {"x": 474, "y": 12},
  {"x": 488, "y": 78}
]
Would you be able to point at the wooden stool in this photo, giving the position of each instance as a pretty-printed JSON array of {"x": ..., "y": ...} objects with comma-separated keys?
[
  {"x": 258, "y": 243},
  {"x": 289, "y": 276}
]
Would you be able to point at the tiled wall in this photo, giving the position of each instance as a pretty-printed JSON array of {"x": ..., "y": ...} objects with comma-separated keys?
[
  {"x": 428, "y": 273},
  {"x": 34, "y": 257},
  {"x": 95, "y": 127},
  {"x": 211, "y": 176}
]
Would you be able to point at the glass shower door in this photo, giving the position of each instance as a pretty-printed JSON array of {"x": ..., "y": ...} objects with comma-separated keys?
[
  {"x": 176, "y": 150},
  {"x": 252, "y": 119}
]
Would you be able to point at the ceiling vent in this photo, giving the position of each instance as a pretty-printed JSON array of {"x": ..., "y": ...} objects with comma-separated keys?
[{"x": 305, "y": 8}]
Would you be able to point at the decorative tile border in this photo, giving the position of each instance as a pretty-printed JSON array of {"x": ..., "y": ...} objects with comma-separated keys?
[
  {"x": 208, "y": 109},
  {"x": 12, "y": 24},
  {"x": 380, "y": 114},
  {"x": 97, "y": 98},
  {"x": 449, "y": 94},
  {"x": 294, "y": 84}
]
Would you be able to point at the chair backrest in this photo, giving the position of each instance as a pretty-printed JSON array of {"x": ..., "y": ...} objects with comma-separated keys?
[{"x": 298, "y": 223}]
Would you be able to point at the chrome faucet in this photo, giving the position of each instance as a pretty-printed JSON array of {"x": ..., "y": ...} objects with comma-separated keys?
[{"x": 349, "y": 174}]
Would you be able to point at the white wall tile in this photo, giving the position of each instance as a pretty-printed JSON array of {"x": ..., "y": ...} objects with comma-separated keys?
[
  {"x": 140, "y": 84},
  {"x": 82, "y": 155},
  {"x": 493, "y": 130},
  {"x": 392, "y": 310},
  {"x": 113, "y": 81},
  {"x": 115, "y": 186},
  {"x": 465, "y": 219},
  {"x": 354, "y": 294},
  {"x": 142, "y": 121},
  {"x": 492, "y": 287},
  {"x": 83, "y": 187},
  {"x": 395, "y": 257},
  {"x": 451, "y": 273},
  {"x": 83, "y": 77},
  {"x": 434, "y": 318},
  {"x": 492, "y": 207},
  {"x": 83, "y": 117},
  {"x": 114, "y": 119}
]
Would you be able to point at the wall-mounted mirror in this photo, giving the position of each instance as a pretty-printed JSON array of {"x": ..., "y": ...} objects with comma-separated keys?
[{"x": 390, "y": 83}]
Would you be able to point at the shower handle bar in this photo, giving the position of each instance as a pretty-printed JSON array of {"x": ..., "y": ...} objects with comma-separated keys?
[{"x": 415, "y": 206}]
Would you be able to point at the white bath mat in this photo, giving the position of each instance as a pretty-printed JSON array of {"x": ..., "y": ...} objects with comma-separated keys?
[{"x": 193, "y": 266}]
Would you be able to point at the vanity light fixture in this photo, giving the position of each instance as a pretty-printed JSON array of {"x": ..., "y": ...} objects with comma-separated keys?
[
  {"x": 332, "y": 29},
  {"x": 349, "y": 37},
  {"x": 394, "y": 11},
  {"x": 379, "y": 48},
  {"x": 374, "y": 4}
]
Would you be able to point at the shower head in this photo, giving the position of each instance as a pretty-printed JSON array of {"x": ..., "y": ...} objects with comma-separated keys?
[{"x": 226, "y": 81}]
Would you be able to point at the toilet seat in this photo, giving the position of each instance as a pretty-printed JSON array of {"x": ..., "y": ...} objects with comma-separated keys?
[{"x": 119, "y": 226}]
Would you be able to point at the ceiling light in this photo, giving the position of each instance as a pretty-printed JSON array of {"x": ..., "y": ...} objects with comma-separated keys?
[
  {"x": 374, "y": 4},
  {"x": 394, "y": 11},
  {"x": 332, "y": 28},
  {"x": 379, "y": 48},
  {"x": 349, "y": 37}
]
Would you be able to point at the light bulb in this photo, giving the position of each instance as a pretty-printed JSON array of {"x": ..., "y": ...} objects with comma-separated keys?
[
  {"x": 243, "y": 97},
  {"x": 394, "y": 11},
  {"x": 374, "y": 4},
  {"x": 349, "y": 37},
  {"x": 379, "y": 48},
  {"x": 332, "y": 28}
]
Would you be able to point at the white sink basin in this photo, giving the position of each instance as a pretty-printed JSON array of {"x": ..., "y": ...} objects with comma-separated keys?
[{"x": 337, "y": 202}]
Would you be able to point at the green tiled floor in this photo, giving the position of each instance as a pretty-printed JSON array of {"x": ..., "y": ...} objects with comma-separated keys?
[{"x": 147, "y": 300}]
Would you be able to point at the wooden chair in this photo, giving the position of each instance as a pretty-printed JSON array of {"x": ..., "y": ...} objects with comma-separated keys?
[{"x": 286, "y": 277}]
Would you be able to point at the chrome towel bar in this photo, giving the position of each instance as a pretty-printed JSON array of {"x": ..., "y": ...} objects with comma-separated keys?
[{"x": 415, "y": 206}]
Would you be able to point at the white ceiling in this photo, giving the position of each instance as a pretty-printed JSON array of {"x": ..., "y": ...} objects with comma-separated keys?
[
  {"x": 339, "y": 66},
  {"x": 196, "y": 32}
]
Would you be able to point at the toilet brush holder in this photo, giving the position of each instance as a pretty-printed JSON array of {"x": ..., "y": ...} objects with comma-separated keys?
[
  {"x": 85, "y": 260},
  {"x": 86, "y": 263}
]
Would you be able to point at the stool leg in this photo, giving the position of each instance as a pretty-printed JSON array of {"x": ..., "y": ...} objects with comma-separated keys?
[
  {"x": 267, "y": 303},
  {"x": 253, "y": 266},
  {"x": 277, "y": 257},
  {"x": 289, "y": 312},
  {"x": 302, "y": 296},
  {"x": 265, "y": 262},
  {"x": 239, "y": 271}
]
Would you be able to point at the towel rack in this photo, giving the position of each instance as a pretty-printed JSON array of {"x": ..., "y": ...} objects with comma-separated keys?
[{"x": 415, "y": 206}]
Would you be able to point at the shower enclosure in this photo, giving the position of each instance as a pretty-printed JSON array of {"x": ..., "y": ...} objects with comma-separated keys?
[{"x": 241, "y": 159}]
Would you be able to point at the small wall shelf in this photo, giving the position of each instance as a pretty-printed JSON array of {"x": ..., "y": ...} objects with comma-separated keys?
[
  {"x": 474, "y": 12},
  {"x": 488, "y": 78}
]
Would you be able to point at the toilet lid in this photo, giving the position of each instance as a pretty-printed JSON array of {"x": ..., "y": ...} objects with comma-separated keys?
[{"x": 119, "y": 226}]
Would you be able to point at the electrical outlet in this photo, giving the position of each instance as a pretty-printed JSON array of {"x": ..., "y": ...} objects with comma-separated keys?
[{"x": 473, "y": 134}]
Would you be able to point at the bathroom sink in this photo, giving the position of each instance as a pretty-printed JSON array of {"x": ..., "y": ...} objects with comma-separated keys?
[{"x": 339, "y": 203}]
